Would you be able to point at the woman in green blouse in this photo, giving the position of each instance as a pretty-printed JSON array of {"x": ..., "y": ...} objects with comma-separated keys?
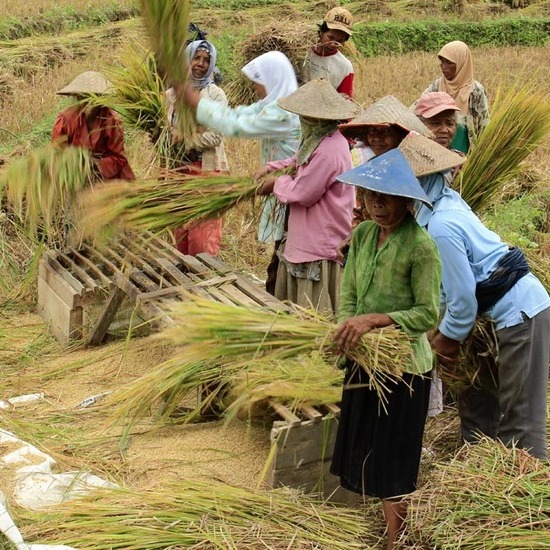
[{"x": 392, "y": 277}]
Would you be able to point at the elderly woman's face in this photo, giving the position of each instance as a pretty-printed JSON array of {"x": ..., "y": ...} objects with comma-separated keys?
[
  {"x": 387, "y": 211},
  {"x": 381, "y": 139},
  {"x": 443, "y": 127},
  {"x": 200, "y": 64}
]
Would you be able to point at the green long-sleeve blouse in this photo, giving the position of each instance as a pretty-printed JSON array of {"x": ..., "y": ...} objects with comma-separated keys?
[{"x": 401, "y": 279}]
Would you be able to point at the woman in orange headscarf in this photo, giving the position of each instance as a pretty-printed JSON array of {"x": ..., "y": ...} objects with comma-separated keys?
[{"x": 457, "y": 79}]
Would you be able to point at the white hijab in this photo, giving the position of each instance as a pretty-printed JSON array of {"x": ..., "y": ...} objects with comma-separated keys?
[{"x": 274, "y": 71}]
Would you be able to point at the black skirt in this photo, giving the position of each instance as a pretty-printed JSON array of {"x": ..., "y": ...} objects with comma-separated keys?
[{"x": 377, "y": 450}]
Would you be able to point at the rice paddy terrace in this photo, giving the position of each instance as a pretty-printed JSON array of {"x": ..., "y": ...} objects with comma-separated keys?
[{"x": 205, "y": 484}]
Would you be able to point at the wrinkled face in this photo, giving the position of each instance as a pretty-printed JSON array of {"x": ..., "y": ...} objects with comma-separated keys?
[
  {"x": 443, "y": 127},
  {"x": 387, "y": 211},
  {"x": 260, "y": 90},
  {"x": 200, "y": 64},
  {"x": 448, "y": 68},
  {"x": 382, "y": 138},
  {"x": 332, "y": 40}
]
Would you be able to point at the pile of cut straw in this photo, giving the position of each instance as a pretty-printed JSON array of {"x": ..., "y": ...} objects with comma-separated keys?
[
  {"x": 158, "y": 205},
  {"x": 520, "y": 119},
  {"x": 42, "y": 186},
  {"x": 200, "y": 515},
  {"x": 488, "y": 497}
]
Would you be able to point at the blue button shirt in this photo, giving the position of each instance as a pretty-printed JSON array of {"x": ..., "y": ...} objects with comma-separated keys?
[{"x": 469, "y": 254}]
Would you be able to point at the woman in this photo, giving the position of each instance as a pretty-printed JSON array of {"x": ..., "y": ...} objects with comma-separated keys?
[
  {"x": 272, "y": 77},
  {"x": 96, "y": 128},
  {"x": 457, "y": 80},
  {"x": 377, "y": 130},
  {"x": 204, "y": 153},
  {"x": 325, "y": 60},
  {"x": 320, "y": 207},
  {"x": 392, "y": 277}
]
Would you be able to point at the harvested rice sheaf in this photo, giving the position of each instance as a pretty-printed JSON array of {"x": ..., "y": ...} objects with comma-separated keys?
[{"x": 488, "y": 497}]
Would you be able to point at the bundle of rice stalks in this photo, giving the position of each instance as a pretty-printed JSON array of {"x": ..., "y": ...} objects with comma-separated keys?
[
  {"x": 158, "y": 205},
  {"x": 476, "y": 360},
  {"x": 520, "y": 119},
  {"x": 488, "y": 497},
  {"x": 230, "y": 333},
  {"x": 42, "y": 186},
  {"x": 167, "y": 23},
  {"x": 288, "y": 36},
  {"x": 199, "y": 515}
]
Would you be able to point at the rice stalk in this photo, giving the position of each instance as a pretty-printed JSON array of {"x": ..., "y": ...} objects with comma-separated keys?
[
  {"x": 42, "y": 187},
  {"x": 154, "y": 205},
  {"x": 199, "y": 515},
  {"x": 520, "y": 119},
  {"x": 167, "y": 23},
  {"x": 487, "y": 497},
  {"x": 226, "y": 332}
]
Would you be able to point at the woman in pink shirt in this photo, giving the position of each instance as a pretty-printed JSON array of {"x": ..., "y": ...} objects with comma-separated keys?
[{"x": 320, "y": 208}]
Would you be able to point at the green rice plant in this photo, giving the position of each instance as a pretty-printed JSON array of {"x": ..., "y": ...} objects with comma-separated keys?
[
  {"x": 487, "y": 497},
  {"x": 199, "y": 515},
  {"x": 42, "y": 186},
  {"x": 167, "y": 23},
  {"x": 520, "y": 119}
]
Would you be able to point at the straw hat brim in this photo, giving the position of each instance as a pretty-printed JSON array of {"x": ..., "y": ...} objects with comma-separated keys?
[
  {"x": 87, "y": 83},
  {"x": 425, "y": 156},
  {"x": 388, "y": 110},
  {"x": 318, "y": 99}
]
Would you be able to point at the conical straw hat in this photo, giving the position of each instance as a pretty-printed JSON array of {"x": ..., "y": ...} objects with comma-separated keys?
[
  {"x": 90, "y": 82},
  {"x": 425, "y": 156},
  {"x": 388, "y": 110},
  {"x": 318, "y": 99}
]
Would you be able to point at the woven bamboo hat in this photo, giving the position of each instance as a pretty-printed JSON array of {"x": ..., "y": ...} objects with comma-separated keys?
[
  {"x": 318, "y": 99},
  {"x": 386, "y": 111},
  {"x": 90, "y": 82},
  {"x": 388, "y": 173},
  {"x": 425, "y": 156}
]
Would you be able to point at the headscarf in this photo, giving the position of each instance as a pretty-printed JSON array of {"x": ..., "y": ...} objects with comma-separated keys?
[
  {"x": 461, "y": 85},
  {"x": 274, "y": 71},
  {"x": 191, "y": 51},
  {"x": 313, "y": 132}
]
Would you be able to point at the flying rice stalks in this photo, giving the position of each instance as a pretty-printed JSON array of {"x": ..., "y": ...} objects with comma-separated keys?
[
  {"x": 42, "y": 186},
  {"x": 199, "y": 515},
  {"x": 520, "y": 119},
  {"x": 167, "y": 23},
  {"x": 488, "y": 497},
  {"x": 230, "y": 333},
  {"x": 155, "y": 205}
]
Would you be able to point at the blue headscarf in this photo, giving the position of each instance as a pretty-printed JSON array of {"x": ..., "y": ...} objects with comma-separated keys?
[{"x": 191, "y": 51}]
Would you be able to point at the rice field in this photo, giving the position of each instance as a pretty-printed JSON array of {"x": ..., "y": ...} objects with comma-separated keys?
[{"x": 148, "y": 457}]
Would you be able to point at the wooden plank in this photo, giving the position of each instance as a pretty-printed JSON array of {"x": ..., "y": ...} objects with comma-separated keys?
[
  {"x": 124, "y": 283},
  {"x": 311, "y": 413},
  {"x": 75, "y": 269},
  {"x": 106, "y": 317},
  {"x": 332, "y": 408},
  {"x": 142, "y": 280},
  {"x": 64, "y": 322},
  {"x": 285, "y": 413},
  {"x": 304, "y": 443},
  {"x": 312, "y": 477},
  {"x": 106, "y": 281},
  {"x": 136, "y": 261},
  {"x": 179, "y": 289},
  {"x": 183, "y": 278},
  {"x": 238, "y": 297},
  {"x": 66, "y": 292},
  {"x": 99, "y": 258},
  {"x": 194, "y": 265},
  {"x": 68, "y": 277}
]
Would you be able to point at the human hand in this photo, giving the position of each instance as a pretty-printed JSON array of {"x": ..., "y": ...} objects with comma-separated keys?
[
  {"x": 262, "y": 172},
  {"x": 342, "y": 248},
  {"x": 445, "y": 348},
  {"x": 349, "y": 333},
  {"x": 188, "y": 94},
  {"x": 266, "y": 188}
]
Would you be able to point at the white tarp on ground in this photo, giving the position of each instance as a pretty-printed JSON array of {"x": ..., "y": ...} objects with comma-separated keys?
[{"x": 36, "y": 485}]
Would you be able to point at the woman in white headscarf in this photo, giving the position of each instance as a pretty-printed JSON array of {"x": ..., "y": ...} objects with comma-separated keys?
[
  {"x": 272, "y": 77},
  {"x": 204, "y": 152},
  {"x": 457, "y": 79}
]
